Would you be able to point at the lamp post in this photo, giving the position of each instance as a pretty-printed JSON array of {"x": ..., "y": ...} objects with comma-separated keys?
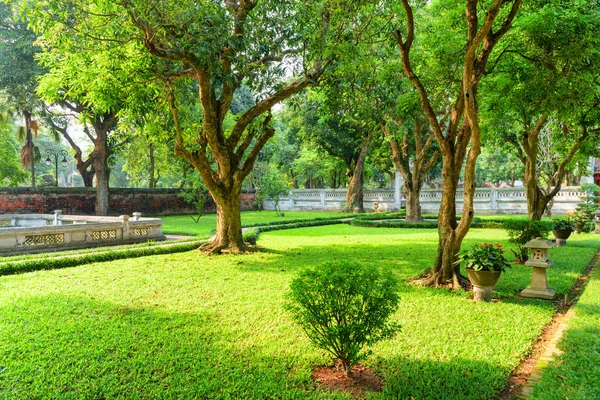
[{"x": 56, "y": 154}]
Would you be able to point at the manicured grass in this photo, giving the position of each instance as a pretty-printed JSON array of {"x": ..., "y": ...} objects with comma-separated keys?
[
  {"x": 184, "y": 225},
  {"x": 190, "y": 326},
  {"x": 575, "y": 374}
]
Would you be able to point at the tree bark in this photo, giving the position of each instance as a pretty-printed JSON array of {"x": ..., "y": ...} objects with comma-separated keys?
[
  {"x": 445, "y": 270},
  {"x": 228, "y": 237},
  {"x": 102, "y": 126},
  {"x": 354, "y": 194},
  {"x": 29, "y": 144},
  {"x": 413, "y": 205},
  {"x": 151, "y": 180},
  {"x": 102, "y": 176}
]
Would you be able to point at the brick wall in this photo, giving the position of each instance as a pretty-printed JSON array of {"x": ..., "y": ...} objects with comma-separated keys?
[{"x": 82, "y": 201}]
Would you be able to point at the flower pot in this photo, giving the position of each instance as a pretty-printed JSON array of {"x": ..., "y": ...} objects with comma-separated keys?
[
  {"x": 579, "y": 226},
  {"x": 483, "y": 283},
  {"x": 562, "y": 234}
]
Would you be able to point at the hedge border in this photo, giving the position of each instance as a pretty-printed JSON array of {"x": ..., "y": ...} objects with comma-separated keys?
[{"x": 18, "y": 267}]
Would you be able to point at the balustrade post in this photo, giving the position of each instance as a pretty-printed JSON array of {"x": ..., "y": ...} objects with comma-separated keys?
[
  {"x": 494, "y": 199},
  {"x": 322, "y": 193},
  {"x": 397, "y": 194}
]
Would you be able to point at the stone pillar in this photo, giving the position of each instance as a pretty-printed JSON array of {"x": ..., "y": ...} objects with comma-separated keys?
[
  {"x": 125, "y": 222},
  {"x": 322, "y": 193},
  {"x": 494, "y": 200},
  {"x": 398, "y": 182},
  {"x": 57, "y": 217}
]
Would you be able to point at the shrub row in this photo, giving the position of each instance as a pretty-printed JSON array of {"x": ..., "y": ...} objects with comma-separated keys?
[
  {"x": 302, "y": 224},
  {"x": 394, "y": 224},
  {"x": 377, "y": 216},
  {"x": 251, "y": 235},
  {"x": 477, "y": 223},
  {"x": 18, "y": 267},
  {"x": 292, "y": 221}
]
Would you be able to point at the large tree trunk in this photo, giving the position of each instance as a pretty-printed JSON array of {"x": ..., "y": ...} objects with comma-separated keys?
[
  {"x": 354, "y": 194},
  {"x": 102, "y": 189},
  {"x": 536, "y": 200},
  {"x": 445, "y": 270},
  {"x": 229, "y": 225},
  {"x": 413, "y": 205},
  {"x": 102, "y": 152}
]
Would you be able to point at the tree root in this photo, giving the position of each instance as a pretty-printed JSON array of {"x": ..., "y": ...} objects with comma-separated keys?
[
  {"x": 213, "y": 248},
  {"x": 428, "y": 278}
]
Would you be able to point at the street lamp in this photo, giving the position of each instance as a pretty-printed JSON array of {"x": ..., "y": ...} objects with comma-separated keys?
[{"x": 59, "y": 153}]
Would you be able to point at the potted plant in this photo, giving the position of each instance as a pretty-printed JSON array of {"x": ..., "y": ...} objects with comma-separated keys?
[
  {"x": 579, "y": 219},
  {"x": 484, "y": 263},
  {"x": 562, "y": 228}
]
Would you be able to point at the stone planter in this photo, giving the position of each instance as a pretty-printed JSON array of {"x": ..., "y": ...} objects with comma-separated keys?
[
  {"x": 579, "y": 227},
  {"x": 562, "y": 234},
  {"x": 483, "y": 283}
]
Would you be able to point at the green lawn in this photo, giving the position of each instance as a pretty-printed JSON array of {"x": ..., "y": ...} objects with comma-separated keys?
[
  {"x": 190, "y": 326},
  {"x": 575, "y": 374},
  {"x": 184, "y": 225}
]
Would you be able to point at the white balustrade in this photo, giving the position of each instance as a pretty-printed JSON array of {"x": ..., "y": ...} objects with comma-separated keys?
[{"x": 485, "y": 200}]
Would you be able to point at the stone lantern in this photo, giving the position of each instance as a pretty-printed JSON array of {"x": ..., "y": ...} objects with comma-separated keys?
[
  {"x": 597, "y": 221},
  {"x": 539, "y": 261}
]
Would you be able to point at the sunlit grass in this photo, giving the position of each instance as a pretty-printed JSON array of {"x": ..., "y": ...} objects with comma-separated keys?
[
  {"x": 190, "y": 326},
  {"x": 574, "y": 374},
  {"x": 204, "y": 228}
]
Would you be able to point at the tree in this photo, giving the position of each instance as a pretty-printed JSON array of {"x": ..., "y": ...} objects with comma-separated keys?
[
  {"x": 72, "y": 82},
  {"x": 219, "y": 47},
  {"x": 333, "y": 120},
  {"x": 18, "y": 74},
  {"x": 458, "y": 132},
  {"x": 271, "y": 187},
  {"x": 11, "y": 173},
  {"x": 547, "y": 81},
  {"x": 498, "y": 165},
  {"x": 411, "y": 142}
]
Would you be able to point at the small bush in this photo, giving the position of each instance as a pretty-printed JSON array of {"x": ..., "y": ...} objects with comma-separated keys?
[
  {"x": 522, "y": 231},
  {"x": 251, "y": 235},
  {"x": 343, "y": 307}
]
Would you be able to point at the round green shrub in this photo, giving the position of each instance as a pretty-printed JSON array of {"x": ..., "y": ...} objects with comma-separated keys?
[{"x": 344, "y": 307}]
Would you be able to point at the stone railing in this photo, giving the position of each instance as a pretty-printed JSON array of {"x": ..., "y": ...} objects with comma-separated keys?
[
  {"x": 486, "y": 200},
  {"x": 335, "y": 200},
  {"x": 34, "y": 233},
  {"x": 501, "y": 201}
]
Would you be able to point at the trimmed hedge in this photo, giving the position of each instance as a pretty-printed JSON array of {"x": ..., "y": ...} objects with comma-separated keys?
[
  {"x": 18, "y": 267},
  {"x": 377, "y": 216},
  {"x": 291, "y": 221},
  {"x": 303, "y": 224},
  {"x": 477, "y": 223},
  {"x": 394, "y": 224}
]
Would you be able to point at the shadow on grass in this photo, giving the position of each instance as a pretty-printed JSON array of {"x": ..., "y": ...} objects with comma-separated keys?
[{"x": 73, "y": 347}]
